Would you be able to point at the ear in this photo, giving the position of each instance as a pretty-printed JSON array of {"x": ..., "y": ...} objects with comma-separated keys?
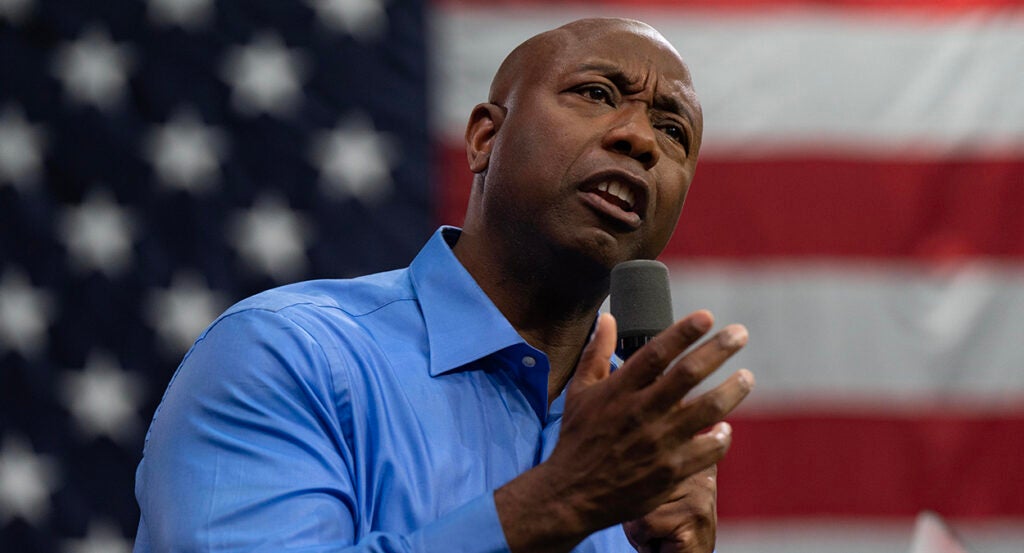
[{"x": 484, "y": 122}]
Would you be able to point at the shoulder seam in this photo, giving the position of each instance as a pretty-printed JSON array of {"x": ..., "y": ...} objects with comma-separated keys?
[{"x": 278, "y": 310}]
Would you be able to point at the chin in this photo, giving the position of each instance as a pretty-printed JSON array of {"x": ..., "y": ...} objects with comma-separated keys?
[{"x": 599, "y": 251}]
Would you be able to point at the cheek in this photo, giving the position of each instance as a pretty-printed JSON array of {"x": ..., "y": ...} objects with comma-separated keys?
[
  {"x": 676, "y": 196},
  {"x": 545, "y": 140},
  {"x": 678, "y": 179},
  {"x": 524, "y": 151},
  {"x": 669, "y": 208}
]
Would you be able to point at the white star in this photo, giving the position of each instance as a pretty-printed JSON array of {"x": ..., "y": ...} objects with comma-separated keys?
[
  {"x": 94, "y": 69},
  {"x": 264, "y": 76},
  {"x": 103, "y": 398},
  {"x": 26, "y": 482},
  {"x": 186, "y": 153},
  {"x": 182, "y": 311},
  {"x": 102, "y": 537},
  {"x": 15, "y": 11},
  {"x": 355, "y": 160},
  {"x": 272, "y": 238},
  {"x": 187, "y": 14},
  {"x": 363, "y": 19},
  {"x": 24, "y": 314},
  {"x": 99, "y": 234},
  {"x": 21, "y": 148}
]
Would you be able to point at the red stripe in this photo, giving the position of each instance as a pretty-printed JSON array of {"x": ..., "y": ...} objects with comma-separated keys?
[
  {"x": 932, "y": 6},
  {"x": 852, "y": 208},
  {"x": 828, "y": 465}
]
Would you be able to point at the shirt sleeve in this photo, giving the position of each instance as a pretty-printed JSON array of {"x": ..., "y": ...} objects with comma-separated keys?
[{"x": 247, "y": 452}]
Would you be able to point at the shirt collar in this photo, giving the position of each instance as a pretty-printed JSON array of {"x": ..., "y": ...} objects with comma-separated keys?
[{"x": 462, "y": 323}]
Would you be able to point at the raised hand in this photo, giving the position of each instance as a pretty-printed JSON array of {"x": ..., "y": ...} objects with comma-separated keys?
[{"x": 630, "y": 439}]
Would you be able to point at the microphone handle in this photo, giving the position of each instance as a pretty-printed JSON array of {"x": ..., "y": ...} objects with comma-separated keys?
[{"x": 628, "y": 345}]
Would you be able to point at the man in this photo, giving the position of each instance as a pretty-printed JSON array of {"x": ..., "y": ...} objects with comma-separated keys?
[{"x": 461, "y": 404}]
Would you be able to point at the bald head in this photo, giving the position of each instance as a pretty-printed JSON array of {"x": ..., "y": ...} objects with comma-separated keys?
[
  {"x": 585, "y": 149},
  {"x": 538, "y": 52}
]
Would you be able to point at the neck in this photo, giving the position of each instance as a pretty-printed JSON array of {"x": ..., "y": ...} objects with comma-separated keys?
[{"x": 551, "y": 300}]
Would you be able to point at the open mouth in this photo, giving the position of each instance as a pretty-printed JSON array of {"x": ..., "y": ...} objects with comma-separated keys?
[{"x": 617, "y": 194}]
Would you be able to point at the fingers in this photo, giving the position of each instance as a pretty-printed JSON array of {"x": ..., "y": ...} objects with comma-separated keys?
[
  {"x": 650, "y": 361},
  {"x": 713, "y": 406},
  {"x": 682, "y": 526},
  {"x": 595, "y": 361},
  {"x": 695, "y": 366},
  {"x": 685, "y": 523},
  {"x": 704, "y": 450}
]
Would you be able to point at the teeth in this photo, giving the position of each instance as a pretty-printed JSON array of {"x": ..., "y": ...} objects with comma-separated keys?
[{"x": 619, "y": 191}]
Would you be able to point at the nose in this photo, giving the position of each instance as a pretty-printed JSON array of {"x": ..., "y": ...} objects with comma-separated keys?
[{"x": 632, "y": 135}]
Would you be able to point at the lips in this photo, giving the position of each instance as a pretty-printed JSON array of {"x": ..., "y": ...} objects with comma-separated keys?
[{"x": 617, "y": 194}]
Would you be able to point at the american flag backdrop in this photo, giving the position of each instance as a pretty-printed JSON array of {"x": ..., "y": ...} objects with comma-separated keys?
[
  {"x": 859, "y": 204},
  {"x": 159, "y": 160}
]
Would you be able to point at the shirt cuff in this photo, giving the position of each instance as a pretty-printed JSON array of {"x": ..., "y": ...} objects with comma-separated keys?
[{"x": 472, "y": 528}]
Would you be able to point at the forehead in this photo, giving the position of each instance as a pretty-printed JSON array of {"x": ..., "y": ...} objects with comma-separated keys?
[{"x": 635, "y": 54}]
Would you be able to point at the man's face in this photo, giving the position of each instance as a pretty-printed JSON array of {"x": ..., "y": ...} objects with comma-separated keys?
[{"x": 598, "y": 147}]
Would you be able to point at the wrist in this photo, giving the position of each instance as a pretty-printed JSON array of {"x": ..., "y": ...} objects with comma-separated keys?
[{"x": 540, "y": 513}]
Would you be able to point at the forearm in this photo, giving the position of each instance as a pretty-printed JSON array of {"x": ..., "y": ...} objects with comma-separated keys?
[
  {"x": 472, "y": 528},
  {"x": 538, "y": 515}
]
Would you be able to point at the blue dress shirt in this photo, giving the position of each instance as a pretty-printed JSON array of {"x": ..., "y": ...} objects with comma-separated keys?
[{"x": 372, "y": 414}]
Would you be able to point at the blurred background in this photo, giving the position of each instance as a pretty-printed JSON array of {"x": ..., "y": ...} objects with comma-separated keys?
[{"x": 859, "y": 205}]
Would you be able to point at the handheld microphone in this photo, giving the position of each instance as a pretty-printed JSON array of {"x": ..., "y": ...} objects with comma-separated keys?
[{"x": 641, "y": 303}]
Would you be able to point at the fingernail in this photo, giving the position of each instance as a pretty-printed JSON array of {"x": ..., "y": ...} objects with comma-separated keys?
[
  {"x": 735, "y": 335},
  {"x": 704, "y": 323},
  {"x": 747, "y": 378}
]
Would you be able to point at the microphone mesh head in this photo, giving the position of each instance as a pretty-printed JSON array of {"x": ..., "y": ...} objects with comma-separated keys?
[{"x": 640, "y": 298}]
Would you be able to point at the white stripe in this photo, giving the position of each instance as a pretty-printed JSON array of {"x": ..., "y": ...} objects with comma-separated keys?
[
  {"x": 857, "y": 536},
  {"x": 870, "y": 83},
  {"x": 901, "y": 335}
]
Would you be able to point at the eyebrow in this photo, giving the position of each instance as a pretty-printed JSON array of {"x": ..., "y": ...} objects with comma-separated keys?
[
  {"x": 662, "y": 102},
  {"x": 672, "y": 104}
]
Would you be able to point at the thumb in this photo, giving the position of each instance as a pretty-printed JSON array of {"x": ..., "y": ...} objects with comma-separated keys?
[{"x": 595, "y": 361}]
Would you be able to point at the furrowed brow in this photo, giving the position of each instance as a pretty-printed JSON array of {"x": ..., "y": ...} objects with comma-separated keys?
[
  {"x": 662, "y": 102},
  {"x": 672, "y": 104},
  {"x": 612, "y": 72}
]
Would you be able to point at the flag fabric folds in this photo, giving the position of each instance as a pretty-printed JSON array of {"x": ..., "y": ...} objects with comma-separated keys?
[
  {"x": 859, "y": 205},
  {"x": 160, "y": 160}
]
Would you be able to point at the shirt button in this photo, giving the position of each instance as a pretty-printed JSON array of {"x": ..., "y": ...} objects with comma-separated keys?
[{"x": 529, "y": 361}]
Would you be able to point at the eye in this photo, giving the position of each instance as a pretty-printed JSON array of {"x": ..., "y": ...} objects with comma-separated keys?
[
  {"x": 597, "y": 92},
  {"x": 676, "y": 133}
]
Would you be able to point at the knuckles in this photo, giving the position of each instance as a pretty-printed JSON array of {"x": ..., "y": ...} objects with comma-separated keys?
[
  {"x": 715, "y": 406},
  {"x": 655, "y": 353},
  {"x": 691, "y": 539},
  {"x": 687, "y": 372}
]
